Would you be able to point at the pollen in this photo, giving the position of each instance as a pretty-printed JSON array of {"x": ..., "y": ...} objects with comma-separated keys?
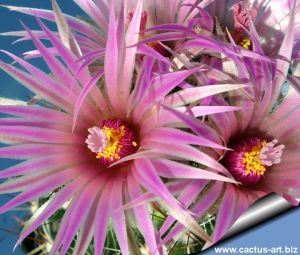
[
  {"x": 114, "y": 145},
  {"x": 252, "y": 162},
  {"x": 112, "y": 140},
  {"x": 241, "y": 39},
  {"x": 246, "y": 43}
]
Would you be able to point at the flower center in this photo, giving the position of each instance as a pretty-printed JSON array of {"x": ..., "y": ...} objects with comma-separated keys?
[
  {"x": 111, "y": 141},
  {"x": 242, "y": 40},
  {"x": 250, "y": 158}
]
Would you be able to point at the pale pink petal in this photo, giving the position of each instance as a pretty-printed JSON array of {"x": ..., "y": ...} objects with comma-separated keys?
[
  {"x": 41, "y": 187},
  {"x": 193, "y": 94},
  {"x": 118, "y": 217},
  {"x": 173, "y": 170},
  {"x": 84, "y": 203},
  {"x": 52, "y": 205},
  {"x": 142, "y": 216}
]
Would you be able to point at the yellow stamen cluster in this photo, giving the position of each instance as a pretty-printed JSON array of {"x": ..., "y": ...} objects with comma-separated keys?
[
  {"x": 152, "y": 44},
  {"x": 113, "y": 146},
  {"x": 240, "y": 39},
  {"x": 245, "y": 43},
  {"x": 252, "y": 161}
]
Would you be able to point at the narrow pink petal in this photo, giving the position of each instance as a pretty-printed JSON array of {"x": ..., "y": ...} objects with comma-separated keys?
[
  {"x": 90, "y": 8},
  {"x": 208, "y": 110},
  {"x": 73, "y": 65},
  {"x": 35, "y": 123},
  {"x": 87, "y": 88},
  {"x": 286, "y": 107},
  {"x": 31, "y": 54},
  {"x": 55, "y": 66},
  {"x": 144, "y": 49},
  {"x": 145, "y": 173},
  {"x": 41, "y": 188},
  {"x": 161, "y": 86},
  {"x": 199, "y": 209},
  {"x": 118, "y": 217},
  {"x": 111, "y": 60},
  {"x": 172, "y": 135},
  {"x": 186, "y": 197},
  {"x": 85, "y": 234},
  {"x": 87, "y": 60},
  {"x": 28, "y": 151},
  {"x": 122, "y": 23},
  {"x": 189, "y": 153},
  {"x": 52, "y": 95},
  {"x": 184, "y": 10},
  {"x": 193, "y": 94},
  {"x": 225, "y": 217},
  {"x": 43, "y": 76},
  {"x": 187, "y": 220},
  {"x": 175, "y": 187},
  {"x": 180, "y": 120},
  {"x": 103, "y": 7},
  {"x": 227, "y": 122},
  {"x": 137, "y": 155},
  {"x": 64, "y": 31},
  {"x": 52, "y": 205},
  {"x": 84, "y": 203},
  {"x": 203, "y": 4},
  {"x": 22, "y": 183},
  {"x": 37, "y": 134},
  {"x": 101, "y": 219},
  {"x": 284, "y": 57},
  {"x": 61, "y": 231},
  {"x": 224, "y": 125},
  {"x": 169, "y": 27},
  {"x": 216, "y": 46},
  {"x": 173, "y": 170},
  {"x": 132, "y": 37},
  {"x": 74, "y": 23},
  {"x": 287, "y": 127},
  {"x": 142, "y": 216},
  {"x": 242, "y": 204},
  {"x": 41, "y": 164},
  {"x": 36, "y": 112},
  {"x": 85, "y": 42},
  {"x": 168, "y": 36},
  {"x": 66, "y": 55},
  {"x": 143, "y": 82}
]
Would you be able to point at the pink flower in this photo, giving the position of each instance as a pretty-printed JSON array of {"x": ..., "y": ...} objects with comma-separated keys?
[
  {"x": 101, "y": 141},
  {"x": 263, "y": 136}
]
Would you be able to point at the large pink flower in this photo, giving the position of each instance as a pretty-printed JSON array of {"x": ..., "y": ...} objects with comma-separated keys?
[
  {"x": 100, "y": 141},
  {"x": 263, "y": 136}
]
